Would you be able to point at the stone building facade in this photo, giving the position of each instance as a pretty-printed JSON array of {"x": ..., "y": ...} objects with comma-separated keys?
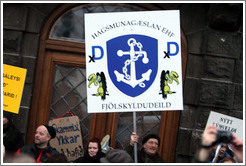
[{"x": 214, "y": 74}]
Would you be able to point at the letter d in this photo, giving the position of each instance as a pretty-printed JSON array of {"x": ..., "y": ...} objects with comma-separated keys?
[
  {"x": 99, "y": 52},
  {"x": 169, "y": 48}
]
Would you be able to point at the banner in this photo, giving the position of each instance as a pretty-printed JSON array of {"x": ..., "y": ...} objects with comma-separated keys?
[
  {"x": 68, "y": 137},
  {"x": 225, "y": 122},
  {"x": 13, "y": 84},
  {"x": 133, "y": 61}
]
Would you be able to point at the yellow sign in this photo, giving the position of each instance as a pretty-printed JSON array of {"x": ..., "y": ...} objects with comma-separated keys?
[{"x": 13, "y": 83}]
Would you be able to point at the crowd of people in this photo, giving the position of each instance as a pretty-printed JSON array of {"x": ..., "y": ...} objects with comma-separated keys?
[{"x": 41, "y": 152}]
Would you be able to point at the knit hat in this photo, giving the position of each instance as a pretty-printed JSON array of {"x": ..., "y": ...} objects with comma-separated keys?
[
  {"x": 145, "y": 139},
  {"x": 116, "y": 156},
  {"x": 51, "y": 131},
  {"x": 8, "y": 115}
]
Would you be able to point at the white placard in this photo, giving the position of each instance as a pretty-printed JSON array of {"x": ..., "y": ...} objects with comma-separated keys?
[
  {"x": 225, "y": 122},
  {"x": 133, "y": 61}
]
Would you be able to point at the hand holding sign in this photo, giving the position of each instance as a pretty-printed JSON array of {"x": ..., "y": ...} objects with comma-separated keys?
[
  {"x": 134, "y": 139},
  {"x": 209, "y": 136},
  {"x": 221, "y": 128},
  {"x": 226, "y": 123},
  {"x": 237, "y": 147}
]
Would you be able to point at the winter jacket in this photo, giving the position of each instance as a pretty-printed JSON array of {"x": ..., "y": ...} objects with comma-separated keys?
[
  {"x": 12, "y": 139},
  {"x": 40, "y": 155},
  {"x": 143, "y": 157},
  {"x": 88, "y": 159}
]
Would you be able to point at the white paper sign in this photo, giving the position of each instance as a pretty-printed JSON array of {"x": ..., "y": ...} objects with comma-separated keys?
[
  {"x": 225, "y": 122},
  {"x": 133, "y": 61}
]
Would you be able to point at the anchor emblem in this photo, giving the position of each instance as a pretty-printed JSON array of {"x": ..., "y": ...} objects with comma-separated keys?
[
  {"x": 132, "y": 63},
  {"x": 134, "y": 55}
]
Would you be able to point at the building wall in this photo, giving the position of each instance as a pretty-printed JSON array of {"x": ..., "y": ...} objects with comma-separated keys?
[
  {"x": 214, "y": 76},
  {"x": 22, "y": 27}
]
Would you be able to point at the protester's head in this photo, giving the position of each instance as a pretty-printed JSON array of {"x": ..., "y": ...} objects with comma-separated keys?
[
  {"x": 43, "y": 135},
  {"x": 94, "y": 147},
  {"x": 151, "y": 143},
  {"x": 228, "y": 160},
  {"x": 57, "y": 158},
  {"x": 23, "y": 158},
  {"x": 7, "y": 118},
  {"x": 116, "y": 156}
]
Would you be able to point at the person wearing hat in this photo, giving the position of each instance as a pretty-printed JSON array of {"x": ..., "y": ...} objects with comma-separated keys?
[
  {"x": 148, "y": 152},
  {"x": 41, "y": 148},
  {"x": 93, "y": 152},
  {"x": 12, "y": 138},
  {"x": 116, "y": 156}
]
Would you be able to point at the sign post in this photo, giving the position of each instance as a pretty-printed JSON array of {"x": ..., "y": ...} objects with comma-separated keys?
[{"x": 135, "y": 144}]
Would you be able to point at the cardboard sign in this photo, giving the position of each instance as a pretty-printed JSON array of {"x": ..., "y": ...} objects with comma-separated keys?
[
  {"x": 133, "y": 61},
  {"x": 225, "y": 122},
  {"x": 68, "y": 137},
  {"x": 13, "y": 84}
]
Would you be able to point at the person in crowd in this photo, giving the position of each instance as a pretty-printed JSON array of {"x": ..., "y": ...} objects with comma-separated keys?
[
  {"x": 12, "y": 138},
  {"x": 209, "y": 136},
  {"x": 57, "y": 158},
  {"x": 116, "y": 156},
  {"x": 19, "y": 158},
  {"x": 219, "y": 152},
  {"x": 41, "y": 148},
  {"x": 93, "y": 152},
  {"x": 148, "y": 153}
]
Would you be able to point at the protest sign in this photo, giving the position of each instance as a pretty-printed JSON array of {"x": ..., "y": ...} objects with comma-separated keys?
[
  {"x": 68, "y": 137},
  {"x": 225, "y": 122},
  {"x": 133, "y": 61},
  {"x": 13, "y": 84}
]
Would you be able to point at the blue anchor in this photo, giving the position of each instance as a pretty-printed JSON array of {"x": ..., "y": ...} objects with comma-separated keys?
[{"x": 134, "y": 55}]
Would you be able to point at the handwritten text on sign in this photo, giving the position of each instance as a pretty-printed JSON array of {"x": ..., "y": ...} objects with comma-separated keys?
[{"x": 68, "y": 137}]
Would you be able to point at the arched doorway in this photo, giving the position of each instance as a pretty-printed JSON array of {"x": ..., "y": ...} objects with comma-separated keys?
[{"x": 60, "y": 82}]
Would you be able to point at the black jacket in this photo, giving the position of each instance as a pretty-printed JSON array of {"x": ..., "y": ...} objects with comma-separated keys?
[
  {"x": 144, "y": 157},
  {"x": 40, "y": 155},
  {"x": 88, "y": 159},
  {"x": 12, "y": 139}
]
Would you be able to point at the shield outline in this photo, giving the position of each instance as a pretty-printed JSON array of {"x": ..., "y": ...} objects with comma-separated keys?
[{"x": 115, "y": 62}]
